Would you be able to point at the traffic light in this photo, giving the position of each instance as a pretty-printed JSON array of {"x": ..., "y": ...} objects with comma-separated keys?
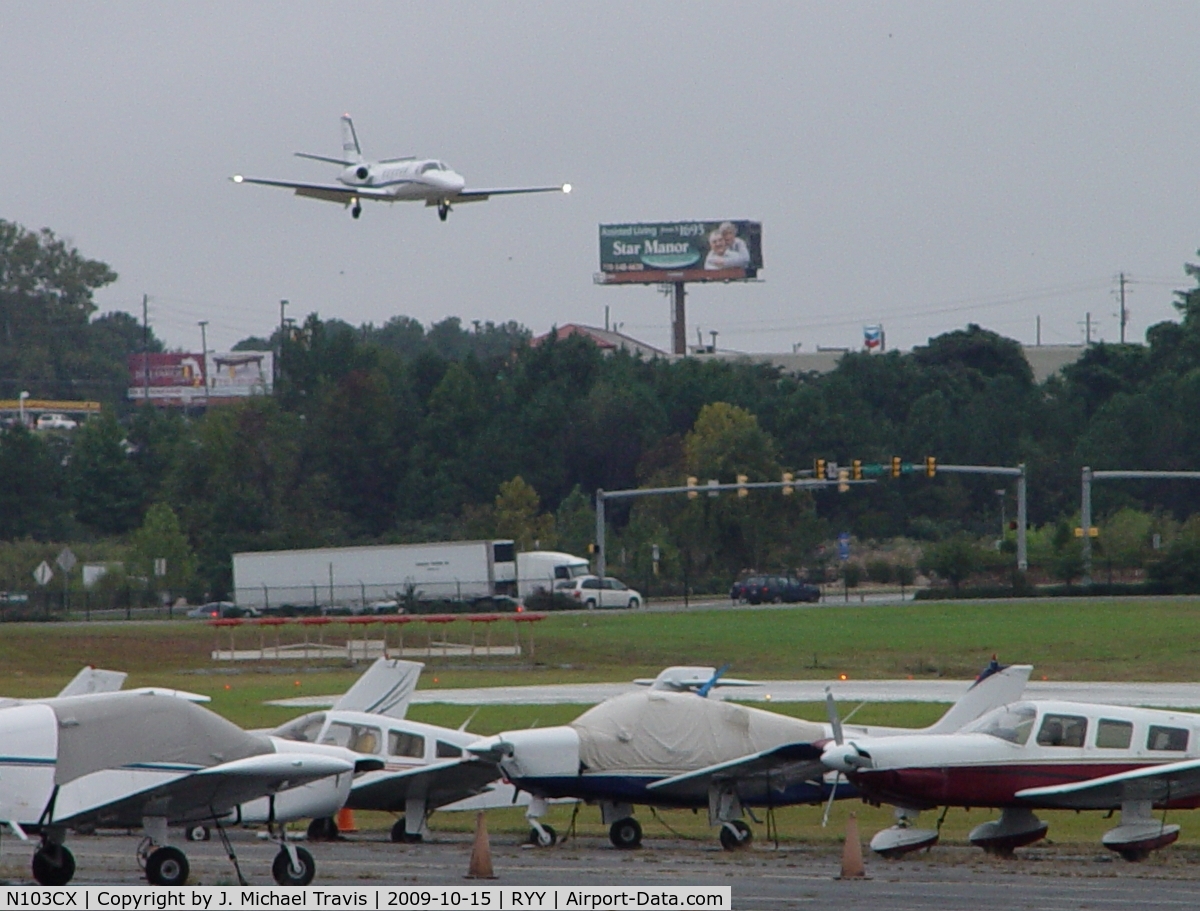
[
  {"x": 819, "y": 469},
  {"x": 742, "y": 491},
  {"x": 788, "y": 489},
  {"x": 692, "y": 492},
  {"x": 856, "y": 469},
  {"x": 930, "y": 466},
  {"x": 843, "y": 479},
  {"x": 896, "y": 466}
]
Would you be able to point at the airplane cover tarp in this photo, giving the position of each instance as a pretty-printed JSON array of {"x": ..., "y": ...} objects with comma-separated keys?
[
  {"x": 111, "y": 731},
  {"x": 675, "y": 732}
]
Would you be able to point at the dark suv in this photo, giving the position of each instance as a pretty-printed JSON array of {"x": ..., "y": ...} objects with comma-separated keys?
[{"x": 780, "y": 589}]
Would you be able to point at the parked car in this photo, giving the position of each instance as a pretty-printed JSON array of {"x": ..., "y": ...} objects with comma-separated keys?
[
  {"x": 593, "y": 592},
  {"x": 738, "y": 590},
  {"x": 221, "y": 609},
  {"x": 778, "y": 589},
  {"x": 55, "y": 422}
]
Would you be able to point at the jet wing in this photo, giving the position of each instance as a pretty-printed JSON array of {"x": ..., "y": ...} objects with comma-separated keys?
[
  {"x": 439, "y": 783},
  {"x": 790, "y": 762},
  {"x": 327, "y": 191},
  {"x": 1169, "y": 781},
  {"x": 481, "y": 195},
  {"x": 106, "y": 798}
]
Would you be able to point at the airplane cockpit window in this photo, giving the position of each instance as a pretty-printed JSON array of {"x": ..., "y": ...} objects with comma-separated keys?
[
  {"x": 1062, "y": 731},
  {"x": 1162, "y": 738},
  {"x": 402, "y": 743},
  {"x": 1113, "y": 735},
  {"x": 305, "y": 729},
  {"x": 357, "y": 737},
  {"x": 429, "y": 166},
  {"x": 1009, "y": 722},
  {"x": 448, "y": 750}
]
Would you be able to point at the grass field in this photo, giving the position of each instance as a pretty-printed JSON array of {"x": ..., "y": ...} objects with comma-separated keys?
[{"x": 1067, "y": 639}]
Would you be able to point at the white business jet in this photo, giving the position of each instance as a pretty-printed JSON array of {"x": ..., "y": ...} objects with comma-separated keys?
[{"x": 391, "y": 180}]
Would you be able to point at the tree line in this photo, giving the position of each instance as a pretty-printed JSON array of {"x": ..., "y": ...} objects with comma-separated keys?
[{"x": 402, "y": 433}]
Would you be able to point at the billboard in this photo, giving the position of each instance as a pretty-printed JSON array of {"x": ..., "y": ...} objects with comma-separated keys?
[
  {"x": 680, "y": 251},
  {"x": 179, "y": 377}
]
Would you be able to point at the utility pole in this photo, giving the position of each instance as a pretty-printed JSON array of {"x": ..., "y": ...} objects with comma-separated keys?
[
  {"x": 279, "y": 357},
  {"x": 145, "y": 349},
  {"x": 1124, "y": 312},
  {"x": 204, "y": 358}
]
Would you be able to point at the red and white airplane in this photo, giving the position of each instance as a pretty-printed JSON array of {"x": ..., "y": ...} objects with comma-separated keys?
[
  {"x": 1034, "y": 755},
  {"x": 391, "y": 180}
]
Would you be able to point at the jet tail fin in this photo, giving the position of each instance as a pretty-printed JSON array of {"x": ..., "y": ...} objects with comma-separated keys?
[
  {"x": 998, "y": 685},
  {"x": 350, "y": 147}
]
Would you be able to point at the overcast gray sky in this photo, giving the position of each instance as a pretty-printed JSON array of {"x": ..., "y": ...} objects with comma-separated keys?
[{"x": 923, "y": 165}]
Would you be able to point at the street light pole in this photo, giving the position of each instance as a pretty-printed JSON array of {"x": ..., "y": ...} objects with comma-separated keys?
[
  {"x": 204, "y": 358},
  {"x": 23, "y": 397}
]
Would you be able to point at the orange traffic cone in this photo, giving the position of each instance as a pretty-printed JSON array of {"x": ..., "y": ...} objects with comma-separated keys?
[
  {"x": 345, "y": 820},
  {"x": 480, "y": 866},
  {"x": 852, "y": 859}
]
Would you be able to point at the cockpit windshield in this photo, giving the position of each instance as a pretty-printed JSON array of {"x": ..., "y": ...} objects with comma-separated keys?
[
  {"x": 431, "y": 166},
  {"x": 305, "y": 729},
  {"x": 1009, "y": 722}
]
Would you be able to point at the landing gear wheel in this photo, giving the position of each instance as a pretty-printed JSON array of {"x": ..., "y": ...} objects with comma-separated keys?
[
  {"x": 287, "y": 875},
  {"x": 167, "y": 867},
  {"x": 402, "y": 836},
  {"x": 443, "y": 210},
  {"x": 53, "y": 865},
  {"x": 323, "y": 829},
  {"x": 735, "y": 834},
  {"x": 625, "y": 833},
  {"x": 356, "y": 211},
  {"x": 197, "y": 833},
  {"x": 1134, "y": 855},
  {"x": 538, "y": 840}
]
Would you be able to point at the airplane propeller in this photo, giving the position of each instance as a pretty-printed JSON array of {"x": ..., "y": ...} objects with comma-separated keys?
[
  {"x": 839, "y": 738},
  {"x": 712, "y": 681}
]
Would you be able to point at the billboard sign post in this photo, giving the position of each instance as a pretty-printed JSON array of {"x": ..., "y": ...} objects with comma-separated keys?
[{"x": 675, "y": 253}]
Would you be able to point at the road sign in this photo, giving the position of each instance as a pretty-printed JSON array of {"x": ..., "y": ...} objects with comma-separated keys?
[
  {"x": 66, "y": 560},
  {"x": 43, "y": 574},
  {"x": 844, "y": 545}
]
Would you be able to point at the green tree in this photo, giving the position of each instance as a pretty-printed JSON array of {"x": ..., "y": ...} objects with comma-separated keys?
[
  {"x": 103, "y": 482},
  {"x": 954, "y": 559},
  {"x": 30, "y": 495},
  {"x": 517, "y": 515},
  {"x": 161, "y": 537}
]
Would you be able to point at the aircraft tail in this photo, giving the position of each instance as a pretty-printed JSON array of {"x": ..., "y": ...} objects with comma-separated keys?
[
  {"x": 384, "y": 688},
  {"x": 351, "y": 150},
  {"x": 997, "y": 685},
  {"x": 93, "y": 680}
]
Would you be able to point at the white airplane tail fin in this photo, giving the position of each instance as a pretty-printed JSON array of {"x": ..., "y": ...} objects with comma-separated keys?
[
  {"x": 350, "y": 147},
  {"x": 93, "y": 680},
  {"x": 997, "y": 685},
  {"x": 384, "y": 688}
]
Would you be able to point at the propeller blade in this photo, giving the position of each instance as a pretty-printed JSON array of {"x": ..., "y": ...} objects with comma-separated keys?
[
  {"x": 832, "y": 796},
  {"x": 834, "y": 721},
  {"x": 712, "y": 681}
]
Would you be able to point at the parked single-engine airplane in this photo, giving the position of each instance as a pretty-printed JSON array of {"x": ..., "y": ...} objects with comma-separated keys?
[
  {"x": 391, "y": 180},
  {"x": 149, "y": 760},
  {"x": 1082, "y": 757},
  {"x": 668, "y": 748},
  {"x": 423, "y": 767},
  {"x": 91, "y": 681}
]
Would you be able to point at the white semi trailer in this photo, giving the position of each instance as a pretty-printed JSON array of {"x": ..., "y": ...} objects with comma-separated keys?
[
  {"x": 355, "y": 577},
  {"x": 542, "y": 570}
]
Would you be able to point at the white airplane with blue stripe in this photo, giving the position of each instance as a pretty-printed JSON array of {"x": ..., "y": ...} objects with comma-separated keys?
[{"x": 406, "y": 179}]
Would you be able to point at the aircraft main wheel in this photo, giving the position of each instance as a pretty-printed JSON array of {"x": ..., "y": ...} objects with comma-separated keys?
[
  {"x": 53, "y": 865},
  {"x": 735, "y": 834},
  {"x": 323, "y": 829},
  {"x": 197, "y": 833},
  {"x": 401, "y": 836},
  {"x": 540, "y": 840},
  {"x": 625, "y": 833},
  {"x": 356, "y": 211},
  {"x": 443, "y": 211},
  {"x": 287, "y": 875},
  {"x": 167, "y": 866}
]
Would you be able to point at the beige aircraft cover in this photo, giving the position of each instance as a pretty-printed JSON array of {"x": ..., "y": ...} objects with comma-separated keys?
[
  {"x": 120, "y": 729},
  {"x": 668, "y": 733}
]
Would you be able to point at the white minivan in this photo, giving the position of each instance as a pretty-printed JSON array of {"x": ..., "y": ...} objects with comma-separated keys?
[{"x": 592, "y": 592}]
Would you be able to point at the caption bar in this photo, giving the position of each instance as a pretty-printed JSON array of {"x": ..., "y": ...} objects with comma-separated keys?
[{"x": 466, "y": 898}]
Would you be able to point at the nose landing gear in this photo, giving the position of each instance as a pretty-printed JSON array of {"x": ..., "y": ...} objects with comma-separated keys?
[{"x": 443, "y": 210}]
